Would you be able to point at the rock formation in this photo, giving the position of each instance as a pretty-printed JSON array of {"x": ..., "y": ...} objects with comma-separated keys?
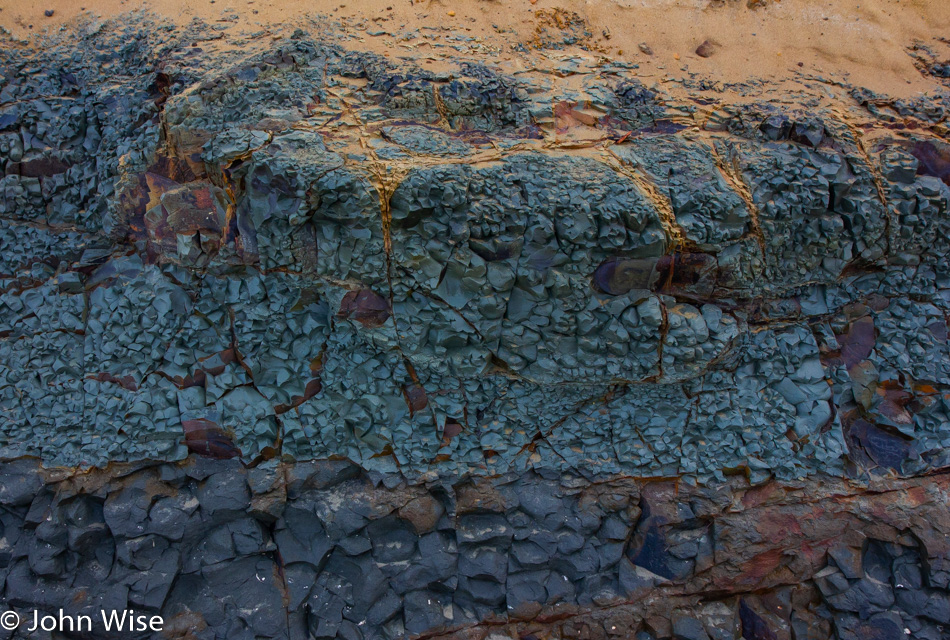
[{"x": 300, "y": 341}]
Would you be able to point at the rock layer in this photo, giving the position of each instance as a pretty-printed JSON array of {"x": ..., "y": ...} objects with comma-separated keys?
[
  {"x": 326, "y": 550},
  {"x": 459, "y": 352}
]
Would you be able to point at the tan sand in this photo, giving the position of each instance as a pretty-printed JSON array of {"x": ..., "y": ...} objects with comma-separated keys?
[{"x": 864, "y": 42}]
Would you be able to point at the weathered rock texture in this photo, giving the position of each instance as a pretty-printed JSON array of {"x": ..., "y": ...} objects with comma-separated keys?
[
  {"x": 325, "y": 550},
  {"x": 493, "y": 302}
]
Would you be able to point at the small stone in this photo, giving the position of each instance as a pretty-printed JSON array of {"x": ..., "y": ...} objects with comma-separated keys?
[
  {"x": 48, "y": 13},
  {"x": 706, "y": 49},
  {"x": 645, "y": 48}
]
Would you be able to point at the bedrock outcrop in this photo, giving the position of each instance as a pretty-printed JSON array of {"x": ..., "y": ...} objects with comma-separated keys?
[
  {"x": 326, "y": 550},
  {"x": 298, "y": 340}
]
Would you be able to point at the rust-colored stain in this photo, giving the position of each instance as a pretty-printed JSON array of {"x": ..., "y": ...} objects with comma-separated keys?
[
  {"x": 756, "y": 569},
  {"x": 205, "y": 438},
  {"x": 779, "y": 524},
  {"x": 416, "y": 398},
  {"x": 760, "y": 495},
  {"x": 126, "y": 382},
  {"x": 916, "y": 496},
  {"x": 366, "y": 307}
]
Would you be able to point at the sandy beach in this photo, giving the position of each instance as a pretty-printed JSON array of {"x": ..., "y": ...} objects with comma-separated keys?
[{"x": 866, "y": 44}]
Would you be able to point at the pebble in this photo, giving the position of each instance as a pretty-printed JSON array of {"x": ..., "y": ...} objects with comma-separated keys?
[{"x": 706, "y": 49}]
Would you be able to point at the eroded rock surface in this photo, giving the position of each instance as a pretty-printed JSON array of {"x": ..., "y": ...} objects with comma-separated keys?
[
  {"x": 459, "y": 352},
  {"x": 325, "y": 550}
]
